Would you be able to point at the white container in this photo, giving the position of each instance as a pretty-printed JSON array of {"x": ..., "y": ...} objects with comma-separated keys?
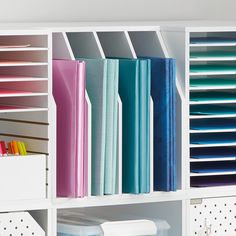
[
  {"x": 81, "y": 225},
  {"x": 19, "y": 223},
  {"x": 23, "y": 177}
]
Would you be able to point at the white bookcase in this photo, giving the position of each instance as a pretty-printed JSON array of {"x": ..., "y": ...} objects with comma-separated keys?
[
  {"x": 27, "y": 113},
  {"x": 33, "y": 119}
]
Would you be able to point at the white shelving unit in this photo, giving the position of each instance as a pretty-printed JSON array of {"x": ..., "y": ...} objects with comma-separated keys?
[
  {"x": 27, "y": 113},
  {"x": 201, "y": 203},
  {"x": 31, "y": 116}
]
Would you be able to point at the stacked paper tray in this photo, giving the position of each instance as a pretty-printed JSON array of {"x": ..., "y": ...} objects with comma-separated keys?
[{"x": 212, "y": 101}]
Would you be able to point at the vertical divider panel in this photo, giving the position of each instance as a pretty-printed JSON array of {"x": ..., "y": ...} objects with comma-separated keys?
[
  {"x": 187, "y": 84},
  {"x": 61, "y": 47},
  {"x": 119, "y": 145},
  {"x": 63, "y": 50},
  {"x": 130, "y": 45},
  {"x": 52, "y": 222},
  {"x": 151, "y": 145},
  {"x": 147, "y": 43},
  {"x": 162, "y": 43},
  {"x": 42, "y": 217},
  {"x": 89, "y": 108},
  {"x": 123, "y": 48},
  {"x": 99, "y": 45},
  {"x": 51, "y": 165},
  {"x": 84, "y": 44}
]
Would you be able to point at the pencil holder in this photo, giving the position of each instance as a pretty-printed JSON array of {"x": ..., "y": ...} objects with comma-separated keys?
[{"x": 23, "y": 177}]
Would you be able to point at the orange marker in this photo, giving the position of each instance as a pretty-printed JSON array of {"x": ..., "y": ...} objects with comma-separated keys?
[
  {"x": 14, "y": 147},
  {"x": 9, "y": 148}
]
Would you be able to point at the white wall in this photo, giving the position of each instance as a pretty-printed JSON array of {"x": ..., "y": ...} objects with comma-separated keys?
[{"x": 116, "y": 10}]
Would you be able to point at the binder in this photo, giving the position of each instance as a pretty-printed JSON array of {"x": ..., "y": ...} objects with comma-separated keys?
[
  {"x": 69, "y": 95},
  {"x": 163, "y": 72},
  {"x": 102, "y": 88},
  {"x": 134, "y": 90}
]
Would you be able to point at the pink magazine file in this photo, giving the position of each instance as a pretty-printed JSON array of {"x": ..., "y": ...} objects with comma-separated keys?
[
  {"x": 86, "y": 149},
  {"x": 69, "y": 94}
]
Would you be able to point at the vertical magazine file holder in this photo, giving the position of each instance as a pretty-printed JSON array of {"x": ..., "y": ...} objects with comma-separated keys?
[
  {"x": 117, "y": 44},
  {"x": 154, "y": 49},
  {"x": 62, "y": 50},
  {"x": 86, "y": 45},
  {"x": 68, "y": 90}
]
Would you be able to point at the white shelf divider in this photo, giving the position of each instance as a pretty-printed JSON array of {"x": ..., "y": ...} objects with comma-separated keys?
[
  {"x": 212, "y": 131},
  {"x": 213, "y": 174},
  {"x": 22, "y": 49},
  {"x": 213, "y": 159}
]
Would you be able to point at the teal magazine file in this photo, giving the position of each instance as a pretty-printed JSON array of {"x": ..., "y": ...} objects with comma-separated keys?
[
  {"x": 96, "y": 85},
  {"x": 115, "y": 153},
  {"x": 129, "y": 93},
  {"x": 144, "y": 114},
  {"x": 111, "y": 126}
]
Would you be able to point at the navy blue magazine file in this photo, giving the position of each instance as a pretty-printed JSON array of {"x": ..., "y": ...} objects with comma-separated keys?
[{"x": 163, "y": 81}]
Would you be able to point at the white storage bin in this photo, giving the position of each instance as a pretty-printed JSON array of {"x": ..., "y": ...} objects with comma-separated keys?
[
  {"x": 80, "y": 225},
  {"x": 19, "y": 224},
  {"x": 23, "y": 177},
  {"x": 213, "y": 216}
]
